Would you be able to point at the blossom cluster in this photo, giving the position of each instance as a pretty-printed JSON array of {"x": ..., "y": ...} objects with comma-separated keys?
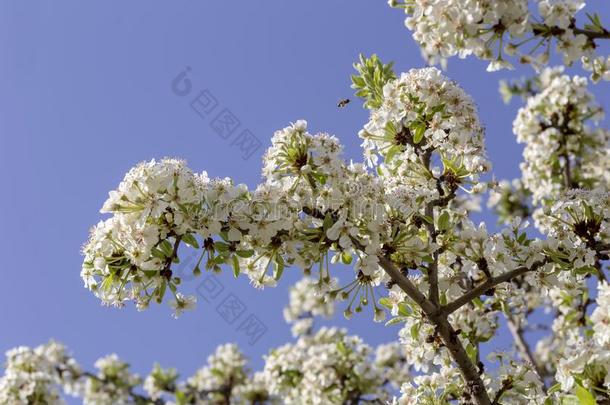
[
  {"x": 31, "y": 375},
  {"x": 561, "y": 148},
  {"x": 494, "y": 30},
  {"x": 304, "y": 304},
  {"x": 423, "y": 112},
  {"x": 329, "y": 367},
  {"x": 326, "y": 368},
  {"x": 160, "y": 205}
]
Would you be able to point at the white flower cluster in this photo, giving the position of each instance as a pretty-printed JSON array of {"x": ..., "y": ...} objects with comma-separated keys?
[
  {"x": 579, "y": 218},
  {"x": 422, "y": 113},
  {"x": 224, "y": 371},
  {"x": 326, "y": 368},
  {"x": 598, "y": 66},
  {"x": 561, "y": 148},
  {"x": 422, "y": 352},
  {"x": 518, "y": 382},
  {"x": 425, "y": 388},
  {"x": 579, "y": 355},
  {"x": 446, "y": 28},
  {"x": 31, "y": 375},
  {"x": 304, "y": 304},
  {"x": 128, "y": 255},
  {"x": 490, "y": 30},
  {"x": 329, "y": 367},
  {"x": 510, "y": 200},
  {"x": 392, "y": 359},
  {"x": 113, "y": 384}
]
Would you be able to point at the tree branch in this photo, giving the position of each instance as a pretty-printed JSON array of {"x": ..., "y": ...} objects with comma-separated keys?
[
  {"x": 474, "y": 385},
  {"x": 592, "y": 34},
  {"x": 523, "y": 347},
  {"x": 433, "y": 267},
  {"x": 486, "y": 286}
]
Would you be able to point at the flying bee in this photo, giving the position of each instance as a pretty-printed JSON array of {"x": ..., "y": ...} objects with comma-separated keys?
[{"x": 343, "y": 102}]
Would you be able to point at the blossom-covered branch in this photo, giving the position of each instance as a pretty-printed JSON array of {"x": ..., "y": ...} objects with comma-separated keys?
[
  {"x": 497, "y": 31},
  {"x": 402, "y": 220}
]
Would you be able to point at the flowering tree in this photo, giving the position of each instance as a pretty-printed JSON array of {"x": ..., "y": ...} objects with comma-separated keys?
[{"x": 402, "y": 220}]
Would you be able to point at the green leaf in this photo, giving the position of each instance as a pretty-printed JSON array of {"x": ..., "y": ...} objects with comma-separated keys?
[
  {"x": 396, "y": 320},
  {"x": 471, "y": 350},
  {"x": 394, "y": 149},
  {"x": 443, "y": 221},
  {"x": 236, "y": 269},
  {"x": 107, "y": 283},
  {"x": 584, "y": 396},
  {"x": 372, "y": 76},
  {"x": 220, "y": 259},
  {"x": 190, "y": 240},
  {"x": 415, "y": 331},
  {"x": 404, "y": 309},
  {"x": 161, "y": 292},
  {"x": 385, "y": 302},
  {"x": 166, "y": 248},
  {"x": 181, "y": 398},
  {"x": 328, "y": 222},
  {"x": 217, "y": 372},
  {"x": 221, "y": 246},
  {"x": 279, "y": 267},
  {"x": 420, "y": 129},
  {"x": 244, "y": 253}
]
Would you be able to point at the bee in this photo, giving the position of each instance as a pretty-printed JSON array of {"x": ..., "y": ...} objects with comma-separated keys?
[{"x": 343, "y": 102}]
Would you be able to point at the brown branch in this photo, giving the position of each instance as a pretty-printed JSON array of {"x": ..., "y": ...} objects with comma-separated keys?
[
  {"x": 592, "y": 34},
  {"x": 487, "y": 285},
  {"x": 475, "y": 388},
  {"x": 523, "y": 347},
  {"x": 474, "y": 384},
  {"x": 167, "y": 266},
  {"x": 433, "y": 294},
  {"x": 507, "y": 384}
]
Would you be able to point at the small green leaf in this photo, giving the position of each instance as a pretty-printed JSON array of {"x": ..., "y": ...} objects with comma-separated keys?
[
  {"x": 385, "y": 302},
  {"x": 190, "y": 240},
  {"x": 161, "y": 292},
  {"x": 166, "y": 248},
  {"x": 236, "y": 269},
  {"x": 245, "y": 253},
  {"x": 279, "y": 267},
  {"x": 157, "y": 253},
  {"x": 221, "y": 246},
  {"x": 471, "y": 350},
  {"x": 415, "y": 331},
  {"x": 420, "y": 129},
  {"x": 584, "y": 396},
  {"x": 394, "y": 149},
  {"x": 404, "y": 309},
  {"x": 443, "y": 221},
  {"x": 396, "y": 320}
]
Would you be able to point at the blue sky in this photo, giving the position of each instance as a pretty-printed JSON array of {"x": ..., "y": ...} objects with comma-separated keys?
[{"x": 85, "y": 94}]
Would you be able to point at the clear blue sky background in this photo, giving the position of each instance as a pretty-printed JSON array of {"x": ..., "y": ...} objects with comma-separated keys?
[{"x": 85, "y": 94}]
